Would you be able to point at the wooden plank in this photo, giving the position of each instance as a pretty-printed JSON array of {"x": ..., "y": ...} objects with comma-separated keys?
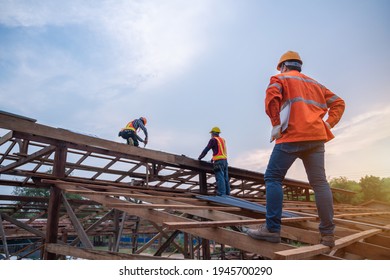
[
  {"x": 40, "y": 153},
  {"x": 131, "y": 193},
  {"x": 6, "y": 137},
  {"x": 171, "y": 206},
  {"x": 369, "y": 251},
  {"x": 90, "y": 254},
  {"x": 310, "y": 251},
  {"x": 206, "y": 224}
]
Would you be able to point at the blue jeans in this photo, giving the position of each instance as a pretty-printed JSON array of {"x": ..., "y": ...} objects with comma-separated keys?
[
  {"x": 283, "y": 156},
  {"x": 222, "y": 177}
]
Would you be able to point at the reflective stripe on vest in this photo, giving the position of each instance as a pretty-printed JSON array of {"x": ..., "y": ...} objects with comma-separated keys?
[
  {"x": 130, "y": 126},
  {"x": 221, "y": 149}
]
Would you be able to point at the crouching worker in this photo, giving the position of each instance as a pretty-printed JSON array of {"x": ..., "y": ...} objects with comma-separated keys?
[{"x": 130, "y": 132}]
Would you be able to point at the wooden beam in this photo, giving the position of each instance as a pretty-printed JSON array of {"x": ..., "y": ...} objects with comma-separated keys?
[
  {"x": 149, "y": 243},
  {"x": 90, "y": 254},
  {"x": 6, "y": 137},
  {"x": 206, "y": 224},
  {"x": 23, "y": 225},
  {"x": 119, "y": 233},
  {"x": 94, "y": 225},
  {"x": 369, "y": 251},
  {"x": 171, "y": 206},
  {"x": 44, "y": 151},
  {"x": 77, "y": 225},
  {"x": 166, "y": 244},
  {"x": 310, "y": 251}
]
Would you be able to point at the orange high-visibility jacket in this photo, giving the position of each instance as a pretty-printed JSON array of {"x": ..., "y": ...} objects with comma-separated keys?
[
  {"x": 309, "y": 101},
  {"x": 221, "y": 154}
]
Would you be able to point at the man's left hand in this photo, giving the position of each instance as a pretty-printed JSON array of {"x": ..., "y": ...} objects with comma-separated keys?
[{"x": 276, "y": 132}]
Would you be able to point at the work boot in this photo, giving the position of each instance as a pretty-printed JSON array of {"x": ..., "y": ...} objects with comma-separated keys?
[
  {"x": 262, "y": 233},
  {"x": 327, "y": 240}
]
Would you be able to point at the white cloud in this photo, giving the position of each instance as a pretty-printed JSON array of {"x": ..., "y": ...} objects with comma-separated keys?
[
  {"x": 256, "y": 160},
  {"x": 152, "y": 41},
  {"x": 361, "y": 132}
]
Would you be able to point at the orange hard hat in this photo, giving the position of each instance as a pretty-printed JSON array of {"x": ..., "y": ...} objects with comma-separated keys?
[
  {"x": 290, "y": 55},
  {"x": 143, "y": 120}
]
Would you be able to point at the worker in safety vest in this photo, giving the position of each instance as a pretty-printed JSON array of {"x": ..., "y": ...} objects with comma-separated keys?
[
  {"x": 130, "y": 132},
  {"x": 218, "y": 145},
  {"x": 296, "y": 105}
]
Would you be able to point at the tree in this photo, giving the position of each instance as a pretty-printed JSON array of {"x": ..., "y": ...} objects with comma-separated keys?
[
  {"x": 373, "y": 188},
  {"x": 345, "y": 184}
]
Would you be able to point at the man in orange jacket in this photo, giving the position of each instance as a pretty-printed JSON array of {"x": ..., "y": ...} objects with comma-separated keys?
[{"x": 296, "y": 105}]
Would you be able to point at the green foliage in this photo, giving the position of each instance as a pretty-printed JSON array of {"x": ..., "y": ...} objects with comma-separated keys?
[
  {"x": 349, "y": 185},
  {"x": 368, "y": 188},
  {"x": 375, "y": 188},
  {"x": 40, "y": 192}
]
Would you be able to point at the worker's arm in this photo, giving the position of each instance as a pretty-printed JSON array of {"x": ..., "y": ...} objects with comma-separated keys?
[
  {"x": 141, "y": 126},
  {"x": 336, "y": 107},
  {"x": 273, "y": 99},
  {"x": 207, "y": 149}
]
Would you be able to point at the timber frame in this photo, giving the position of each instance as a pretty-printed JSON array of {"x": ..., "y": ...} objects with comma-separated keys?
[{"x": 129, "y": 191}]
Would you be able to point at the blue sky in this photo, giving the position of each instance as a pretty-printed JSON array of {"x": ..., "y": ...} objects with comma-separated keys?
[{"x": 91, "y": 66}]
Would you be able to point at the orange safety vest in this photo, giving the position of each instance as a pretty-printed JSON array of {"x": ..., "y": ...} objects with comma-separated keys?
[
  {"x": 309, "y": 100},
  {"x": 130, "y": 126},
  {"x": 221, "y": 154}
]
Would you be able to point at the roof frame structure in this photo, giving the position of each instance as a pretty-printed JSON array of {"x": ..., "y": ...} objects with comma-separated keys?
[{"x": 131, "y": 191}]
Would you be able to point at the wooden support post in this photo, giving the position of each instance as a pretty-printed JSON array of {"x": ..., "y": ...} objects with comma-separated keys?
[
  {"x": 206, "y": 249},
  {"x": 110, "y": 243},
  {"x": 185, "y": 245},
  {"x": 3, "y": 237},
  {"x": 116, "y": 228},
  {"x": 147, "y": 175},
  {"x": 223, "y": 256},
  {"x": 202, "y": 183},
  {"x": 119, "y": 234},
  {"x": 135, "y": 237},
  {"x": 307, "y": 193},
  {"x": 55, "y": 200}
]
